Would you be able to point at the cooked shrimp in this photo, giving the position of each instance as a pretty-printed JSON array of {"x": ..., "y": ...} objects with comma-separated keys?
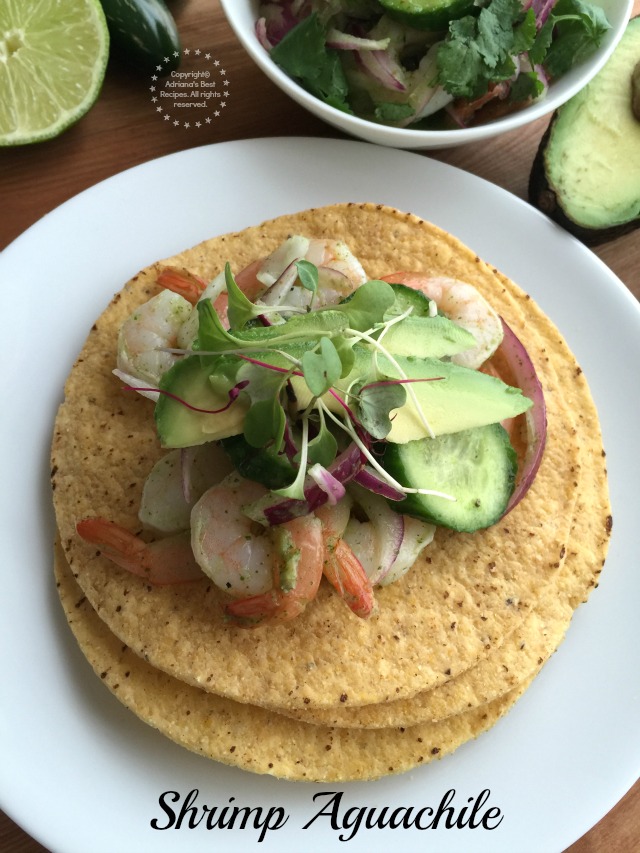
[
  {"x": 228, "y": 546},
  {"x": 165, "y": 561},
  {"x": 337, "y": 256},
  {"x": 145, "y": 335},
  {"x": 272, "y": 572},
  {"x": 463, "y": 304},
  {"x": 342, "y": 568},
  {"x": 297, "y": 572},
  {"x": 179, "y": 280}
]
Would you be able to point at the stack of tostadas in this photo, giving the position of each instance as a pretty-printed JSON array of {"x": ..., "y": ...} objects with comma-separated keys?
[{"x": 330, "y": 696}]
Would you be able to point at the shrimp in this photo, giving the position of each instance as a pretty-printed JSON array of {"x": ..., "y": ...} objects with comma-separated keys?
[
  {"x": 165, "y": 561},
  {"x": 463, "y": 304},
  {"x": 273, "y": 573},
  {"x": 145, "y": 335},
  {"x": 194, "y": 289},
  {"x": 297, "y": 572},
  {"x": 337, "y": 256},
  {"x": 342, "y": 568}
]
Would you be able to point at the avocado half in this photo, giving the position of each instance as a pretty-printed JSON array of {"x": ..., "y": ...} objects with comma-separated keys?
[{"x": 586, "y": 173}]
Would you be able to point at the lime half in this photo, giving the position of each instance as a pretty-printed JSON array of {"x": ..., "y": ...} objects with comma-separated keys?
[{"x": 53, "y": 57}]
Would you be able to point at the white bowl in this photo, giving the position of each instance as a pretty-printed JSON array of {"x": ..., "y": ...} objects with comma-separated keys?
[{"x": 242, "y": 15}]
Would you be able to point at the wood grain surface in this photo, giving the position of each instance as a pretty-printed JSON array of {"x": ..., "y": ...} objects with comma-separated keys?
[{"x": 122, "y": 130}]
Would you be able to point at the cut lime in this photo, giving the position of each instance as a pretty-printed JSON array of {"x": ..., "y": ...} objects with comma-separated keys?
[{"x": 53, "y": 57}]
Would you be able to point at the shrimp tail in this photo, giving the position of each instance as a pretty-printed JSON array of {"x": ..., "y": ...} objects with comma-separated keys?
[
  {"x": 345, "y": 573},
  {"x": 181, "y": 281},
  {"x": 251, "y": 612},
  {"x": 166, "y": 561}
]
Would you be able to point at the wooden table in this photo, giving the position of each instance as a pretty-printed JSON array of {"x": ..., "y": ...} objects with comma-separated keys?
[{"x": 122, "y": 131}]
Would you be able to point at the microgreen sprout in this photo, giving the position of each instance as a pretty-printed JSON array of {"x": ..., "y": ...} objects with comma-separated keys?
[
  {"x": 385, "y": 352},
  {"x": 303, "y": 369}
]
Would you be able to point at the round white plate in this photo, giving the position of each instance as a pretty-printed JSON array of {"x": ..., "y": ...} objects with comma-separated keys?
[{"x": 81, "y": 773}]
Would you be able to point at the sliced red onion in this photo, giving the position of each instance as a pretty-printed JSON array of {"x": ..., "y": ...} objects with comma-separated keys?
[
  {"x": 526, "y": 379},
  {"x": 277, "y": 262},
  {"x": 379, "y": 65},
  {"x": 345, "y": 41},
  {"x": 279, "y": 18},
  {"x": 278, "y": 291},
  {"x": 542, "y": 9},
  {"x": 417, "y": 535},
  {"x": 261, "y": 33},
  {"x": 273, "y": 509},
  {"x": 334, "y": 489},
  {"x": 373, "y": 482}
]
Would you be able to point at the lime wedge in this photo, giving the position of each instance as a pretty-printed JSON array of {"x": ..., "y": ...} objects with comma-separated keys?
[{"x": 53, "y": 57}]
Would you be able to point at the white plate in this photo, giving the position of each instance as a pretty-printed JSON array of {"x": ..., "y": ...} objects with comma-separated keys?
[{"x": 81, "y": 773}]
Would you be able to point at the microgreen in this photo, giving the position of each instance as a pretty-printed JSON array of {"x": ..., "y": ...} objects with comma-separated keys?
[
  {"x": 292, "y": 374},
  {"x": 375, "y": 404},
  {"x": 323, "y": 447},
  {"x": 264, "y": 424},
  {"x": 321, "y": 368},
  {"x": 308, "y": 275}
]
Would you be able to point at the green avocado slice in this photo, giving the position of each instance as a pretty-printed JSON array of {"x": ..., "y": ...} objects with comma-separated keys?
[{"x": 586, "y": 175}]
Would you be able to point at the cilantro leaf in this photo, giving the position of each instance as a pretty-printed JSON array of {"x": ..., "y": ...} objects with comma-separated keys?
[
  {"x": 525, "y": 33},
  {"x": 386, "y": 111},
  {"x": 303, "y": 54},
  {"x": 579, "y": 29},
  {"x": 528, "y": 85},
  {"x": 542, "y": 42},
  {"x": 478, "y": 50}
]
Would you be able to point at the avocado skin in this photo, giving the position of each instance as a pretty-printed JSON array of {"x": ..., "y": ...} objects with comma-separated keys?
[{"x": 544, "y": 196}]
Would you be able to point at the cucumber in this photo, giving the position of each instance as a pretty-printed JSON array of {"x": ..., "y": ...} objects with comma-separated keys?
[
  {"x": 408, "y": 297},
  {"x": 477, "y": 466},
  {"x": 427, "y": 14},
  {"x": 144, "y": 33}
]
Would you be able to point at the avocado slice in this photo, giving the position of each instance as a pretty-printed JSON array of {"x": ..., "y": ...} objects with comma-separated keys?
[{"x": 586, "y": 173}]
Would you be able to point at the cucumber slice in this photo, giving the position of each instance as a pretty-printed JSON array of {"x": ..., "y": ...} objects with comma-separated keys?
[
  {"x": 477, "y": 466},
  {"x": 427, "y": 14},
  {"x": 408, "y": 297}
]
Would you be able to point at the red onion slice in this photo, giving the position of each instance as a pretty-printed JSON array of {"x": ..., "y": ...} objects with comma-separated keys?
[
  {"x": 274, "y": 509},
  {"x": 328, "y": 483},
  {"x": 379, "y": 65},
  {"x": 526, "y": 379},
  {"x": 373, "y": 482},
  {"x": 261, "y": 33}
]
